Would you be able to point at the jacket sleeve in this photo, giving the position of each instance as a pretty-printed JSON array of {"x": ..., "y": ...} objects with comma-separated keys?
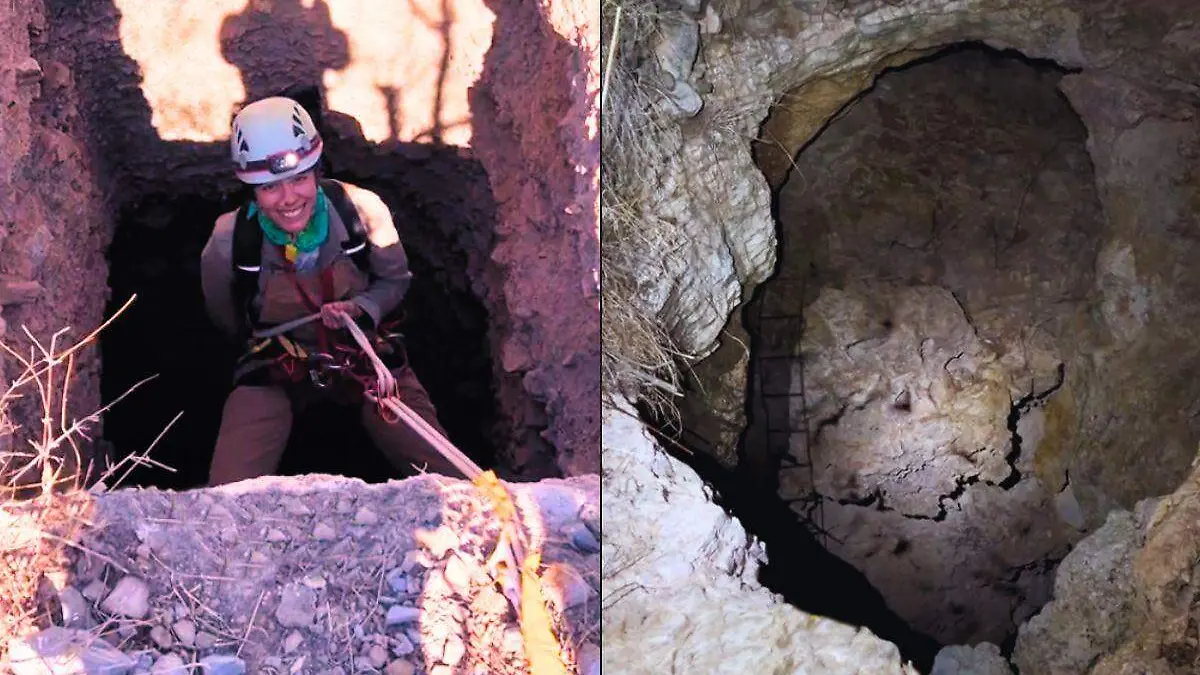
[
  {"x": 390, "y": 275},
  {"x": 216, "y": 276}
]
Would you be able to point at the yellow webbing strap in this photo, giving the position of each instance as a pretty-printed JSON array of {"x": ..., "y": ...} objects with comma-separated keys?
[{"x": 522, "y": 587}]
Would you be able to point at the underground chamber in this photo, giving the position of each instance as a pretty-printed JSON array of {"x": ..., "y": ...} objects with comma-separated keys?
[{"x": 936, "y": 406}]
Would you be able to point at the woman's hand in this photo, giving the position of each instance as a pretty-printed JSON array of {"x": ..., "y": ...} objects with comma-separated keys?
[{"x": 330, "y": 312}]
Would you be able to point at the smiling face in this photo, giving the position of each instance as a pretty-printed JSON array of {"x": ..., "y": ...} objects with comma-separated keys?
[{"x": 289, "y": 203}]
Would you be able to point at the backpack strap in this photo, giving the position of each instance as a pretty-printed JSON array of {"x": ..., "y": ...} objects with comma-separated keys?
[
  {"x": 248, "y": 243},
  {"x": 247, "y": 262},
  {"x": 356, "y": 246}
]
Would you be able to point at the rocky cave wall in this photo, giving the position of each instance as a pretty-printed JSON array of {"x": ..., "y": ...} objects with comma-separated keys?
[
  {"x": 411, "y": 129},
  {"x": 936, "y": 270},
  {"x": 54, "y": 226},
  {"x": 794, "y": 66}
]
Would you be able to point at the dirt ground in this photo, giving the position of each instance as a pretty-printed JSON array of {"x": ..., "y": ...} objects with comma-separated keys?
[{"x": 320, "y": 574}]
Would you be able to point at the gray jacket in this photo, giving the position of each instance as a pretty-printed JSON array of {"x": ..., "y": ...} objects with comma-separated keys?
[{"x": 389, "y": 279}]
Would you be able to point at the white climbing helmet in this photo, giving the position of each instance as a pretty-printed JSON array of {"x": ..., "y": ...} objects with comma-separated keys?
[{"x": 273, "y": 139}]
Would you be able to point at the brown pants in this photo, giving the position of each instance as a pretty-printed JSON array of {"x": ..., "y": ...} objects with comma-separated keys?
[{"x": 257, "y": 422}]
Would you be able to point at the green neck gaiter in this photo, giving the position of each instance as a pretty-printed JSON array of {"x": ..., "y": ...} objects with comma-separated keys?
[{"x": 309, "y": 239}]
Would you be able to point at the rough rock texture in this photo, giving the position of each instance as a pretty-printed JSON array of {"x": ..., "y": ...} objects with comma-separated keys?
[
  {"x": 937, "y": 247},
  {"x": 679, "y": 580},
  {"x": 982, "y": 659},
  {"x": 52, "y": 231},
  {"x": 322, "y": 574},
  {"x": 1093, "y": 605},
  {"x": 537, "y": 135},
  {"x": 1121, "y": 426}
]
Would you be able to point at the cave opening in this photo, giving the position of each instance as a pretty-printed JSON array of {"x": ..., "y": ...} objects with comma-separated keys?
[
  {"x": 937, "y": 247},
  {"x": 933, "y": 296},
  {"x": 167, "y": 335}
]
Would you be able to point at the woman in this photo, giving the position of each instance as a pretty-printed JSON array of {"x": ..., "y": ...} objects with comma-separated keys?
[{"x": 310, "y": 260}]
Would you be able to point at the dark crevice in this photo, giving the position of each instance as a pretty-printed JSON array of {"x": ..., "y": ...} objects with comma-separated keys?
[
  {"x": 1014, "y": 418},
  {"x": 799, "y": 568}
]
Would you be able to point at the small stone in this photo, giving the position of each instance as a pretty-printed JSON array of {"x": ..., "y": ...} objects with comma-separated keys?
[
  {"x": 314, "y": 581},
  {"x": 512, "y": 642},
  {"x": 438, "y": 541},
  {"x": 206, "y": 640},
  {"x": 400, "y": 667},
  {"x": 76, "y": 611},
  {"x": 95, "y": 590},
  {"x": 398, "y": 615},
  {"x": 396, "y": 580},
  {"x": 296, "y": 507},
  {"x": 181, "y": 611},
  {"x": 276, "y": 535},
  {"x": 161, "y": 637},
  {"x": 146, "y": 659},
  {"x": 454, "y": 651},
  {"x": 126, "y": 630},
  {"x": 458, "y": 575},
  {"x": 344, "y": 505},
  {"x": 297, "y": 606},
  {"x": 324, "y": 532},
  {"x": 65, "y": 650},
  {"x": 402, "y": 646},
  {"x": 222, "y": 664},
  {"x": 366, "y": 516},
  {"x": 259, "y": 558},
  {"x": 298, "y": 664},
  {"x": 130, "y": 598},
  {"x": 583, "y": 540},
  {"x": 441, "y": 669},
  {"x": 169, "y": 664},
  {"x": 378, "y": 656},
  {"x": 273, "y": 662},
  {"x": 292, "y": 642},
  {"x": 186, "y": 632}
]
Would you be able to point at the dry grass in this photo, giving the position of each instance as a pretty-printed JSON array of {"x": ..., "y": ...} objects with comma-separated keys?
[
  {"x": 44, "y": 503},
  {"x": 640, "y": 360}
]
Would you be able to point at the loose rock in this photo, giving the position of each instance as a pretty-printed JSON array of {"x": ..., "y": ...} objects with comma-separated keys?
[
  {"x": 130, "y": 598},
  {"x": 378, "y": 656},
  {"x": 324, "y": 532},
  {"x": 454, "y": 651},
  {"x": 438, "y": 541},
  {"x": 398, "y": 615},
  {"x": 297, "y": 606},
  {"x": 458, "y": 576},
  {"x": 222, "y": 664},
  {"x": 186, "y": 631},
  {"x": 169, "y": 664},
  {"x": 161, "y": 637},
  {"x": 292, "y": 642},
  {"x": 95, "y": 590},
  {"x": 583, "y": 540},
  {"x": 400, "y": 667},
  {"x": 65, "y": 650}
]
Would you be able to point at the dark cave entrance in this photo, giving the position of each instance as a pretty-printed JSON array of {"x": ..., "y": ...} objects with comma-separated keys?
[
  {"x": 940, "y": 223},
  {"x": 155, "y": 254}
]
